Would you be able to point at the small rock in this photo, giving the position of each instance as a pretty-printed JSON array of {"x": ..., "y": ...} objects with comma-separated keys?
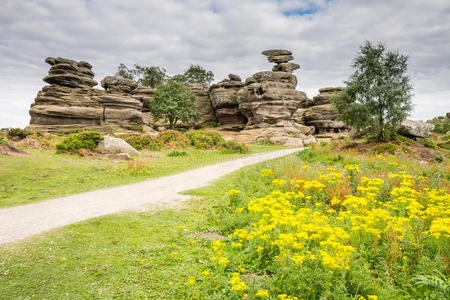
[{"x": 112, "y": 145}]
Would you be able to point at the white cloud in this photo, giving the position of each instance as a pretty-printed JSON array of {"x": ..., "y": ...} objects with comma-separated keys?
[{"x": 224, "y": 36}]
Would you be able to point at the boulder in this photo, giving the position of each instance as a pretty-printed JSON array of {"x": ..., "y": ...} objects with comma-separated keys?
[
  {"x": 113, "y": 145},
  {"x": 416, "y": 129},
  {"x": 114, "y": 84},
  {"x": 234, "y": 77},
  {"x": 223, "y": 98},
  {"x": 70, "y": 73},
  {"x": 203, "y": 103}
]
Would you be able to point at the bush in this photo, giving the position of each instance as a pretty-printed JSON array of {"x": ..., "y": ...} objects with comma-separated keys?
[
  {"x": 2, "y": 141},
  {"x": 386, "y": 148},
  {"x": 17, "y": 134},
  {"x": 144, "y": 141},
  {"x": 177, "y": 153},
  {"x": 83, "y": 140},
  {"x": 173, "y": 139},
  {"x": 429, "y": 144},
  {"x": 202, "y": 139},
  {"x": 441, "y": 125},
  {"x": 233, "y": 147}
]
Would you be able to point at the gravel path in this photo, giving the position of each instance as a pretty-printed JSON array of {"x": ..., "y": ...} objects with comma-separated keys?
[{"x": 23, "y": 221}]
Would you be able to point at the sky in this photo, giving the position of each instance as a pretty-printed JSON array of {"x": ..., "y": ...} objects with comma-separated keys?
[{"x": 225, "y": 36}]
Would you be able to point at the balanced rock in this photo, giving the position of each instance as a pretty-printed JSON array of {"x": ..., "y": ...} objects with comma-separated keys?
[{"x": 281, "y": 58}]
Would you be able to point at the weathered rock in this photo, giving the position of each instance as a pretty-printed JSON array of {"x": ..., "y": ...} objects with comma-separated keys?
[
  {"x": 114, "y": 84},
  {"x": 280, "y": 58},
  {"x": 234, "y": 77},
  {"x": 67, "y": 72},
  {"x": 71, "y": 103},
  {"x": 288, "y": 136},
  {"x": 145, "y": 96},
  {"x": 321, "y": 113},
  {"x": 119, "y": 156},
  {"x": 286, "y": 67},
  {"x": 223, "y": 97},
  {"x": 276, "y": 52},
  {"x": 203, "y": 103},
  {"x": 417, "y": 129},
  {"x": 113, "y": 145}
]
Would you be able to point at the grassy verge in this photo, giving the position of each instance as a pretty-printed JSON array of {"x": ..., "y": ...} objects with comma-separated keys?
[
  {"x": 155, "y": 255},
  {"x": 45, "y": 175}
]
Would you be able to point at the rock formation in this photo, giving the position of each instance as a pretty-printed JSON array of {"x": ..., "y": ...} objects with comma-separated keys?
[
  {"x": 201, "y": 91},
  {"x": 269, "y": 100},
  {"x": 71, "y": 102},
  {"x": 223, "y": 96},
  {"x": 321, "y": 113}
]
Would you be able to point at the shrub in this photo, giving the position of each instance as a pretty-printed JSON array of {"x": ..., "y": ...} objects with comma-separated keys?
[
  {"x": 144, "y": 141},
  {"x": 83, "y": 140},
  {"x": 386, "y": 148},
  {"x": 17, "y": 134},
  {"x": 2, "y": 141},
  {"x": 429, "y": 144},
  {"x": 177, "y": 153},
  {"x": 233, "y": 147},
  {"x": 202, "y": 139},
  {"x": 173, "y": 139},
  {"x": 441, "y": 125}
]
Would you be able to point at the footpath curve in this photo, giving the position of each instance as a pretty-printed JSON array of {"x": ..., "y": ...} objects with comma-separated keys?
[{"x": 26, "y": 220}]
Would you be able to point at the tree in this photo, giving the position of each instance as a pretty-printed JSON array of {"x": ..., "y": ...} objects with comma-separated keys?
[
  {"x": 378, "y": 93},
  {"x": 124, "y": 72},
  {"x": 174, "y": 102},
  {"x": 152, "y": 76},
  {"x": 195, "y": 74}
]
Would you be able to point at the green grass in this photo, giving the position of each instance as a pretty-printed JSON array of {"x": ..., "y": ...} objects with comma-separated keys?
[{"x": 45, "y": 175}]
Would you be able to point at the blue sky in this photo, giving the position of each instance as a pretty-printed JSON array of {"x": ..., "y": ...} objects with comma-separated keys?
[{"x": 223, "y": 36}]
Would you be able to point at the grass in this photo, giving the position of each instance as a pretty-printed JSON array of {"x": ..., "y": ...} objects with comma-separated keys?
[{"x": 45, "y": 175}]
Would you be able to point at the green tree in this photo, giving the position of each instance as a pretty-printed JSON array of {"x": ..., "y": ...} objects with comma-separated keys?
[
  {"x": 174, "y": 102},
  {"x": 124, "y": 72},
  {"x": 378, "y": 93},
  {"x": 194, "y": 74},
  {"x": 152, "y": 76}
]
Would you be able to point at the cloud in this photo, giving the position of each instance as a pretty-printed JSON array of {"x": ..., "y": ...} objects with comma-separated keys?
[{"x": 223, "y": 36}]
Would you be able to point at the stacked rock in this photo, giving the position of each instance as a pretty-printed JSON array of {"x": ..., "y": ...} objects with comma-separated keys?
[
  {"x": 120, "y": 107},
  {"x": 321, "y": 113},
  {"x": 67, "y": 72},
  {"x": 71, "y": 102},
  {"x": 281, "y": 58},
  {"x": 269, "y": 100},
  {"x": 223, "y": 97}
]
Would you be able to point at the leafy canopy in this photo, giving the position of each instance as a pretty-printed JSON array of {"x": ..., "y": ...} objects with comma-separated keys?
[
  {"x": 152, "y": 76},
  {"x": 195, "y": 74},
  {"x": 174, "y": 102},
  {"x": 378, "y": 93}
]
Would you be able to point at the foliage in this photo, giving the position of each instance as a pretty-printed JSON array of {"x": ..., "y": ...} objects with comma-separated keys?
[
  {"x": 202, "y": 139},
  {"x": 173, "y": 139},
  {"x": 441, "y": 124},
  {"x": 152, "y": 76},
  {"x": 2, "y": 141},
  {"x": 124, "y": 72},
  {"x": 17, "y": 134},
  {"x": 233, "y": 147},
  {"x": 194, "y": 74},
  {"x": 437, "y": 281},
  {"x": 378, "y": 93},
  {"x": 174, "y": 102},
  {"x": 386, "y": 148},
  {"x": 84, "y": 140},
  {"x": 143, "y": 141},
  {"x": 177, "y": 153}
]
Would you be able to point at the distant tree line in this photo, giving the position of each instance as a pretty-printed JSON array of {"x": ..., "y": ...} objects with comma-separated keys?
[{"x": 153, "y": 76}]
